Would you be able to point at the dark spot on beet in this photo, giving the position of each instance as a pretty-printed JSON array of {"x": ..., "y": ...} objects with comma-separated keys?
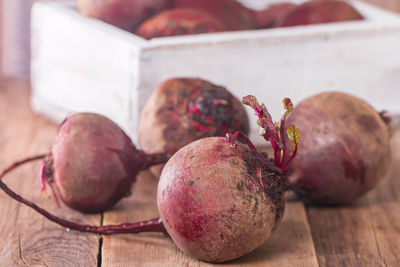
[
  {"x": 191, "y": 183},
  {"x": 355, "y": 172},
  {"x": 255, "y": 208},
  {"x": 97, "y": 133},
  {"x": 274, "y": 185},
  {"x": 248, "y": 198},
  {"x": 233, "y": 161},
  {"x": 239, "y": 186},
  {"x": 279, "y": 213},
  {"x": 367, "y": 122},
  {"x": 219, "y": 146}
]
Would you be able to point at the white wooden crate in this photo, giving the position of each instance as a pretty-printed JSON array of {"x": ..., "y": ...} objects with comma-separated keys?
[{"x": 82, "y": 64}]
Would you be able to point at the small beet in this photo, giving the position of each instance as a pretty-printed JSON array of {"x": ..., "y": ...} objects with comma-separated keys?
[
  {"x": 125, "y": 14},
  {"x": 93, "y": 163},
  {"x": 182, "y": 21},
  {"x": 182, "y": 110},
  {"x": 233, "y": 14},
  {"x": 344, "y": 151},
  {"x": 272, "y": 15},
  {"x": 320, "y": 11}
]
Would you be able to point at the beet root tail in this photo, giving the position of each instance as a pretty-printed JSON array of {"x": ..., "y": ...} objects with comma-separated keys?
[{"x": 153, "y": 225}]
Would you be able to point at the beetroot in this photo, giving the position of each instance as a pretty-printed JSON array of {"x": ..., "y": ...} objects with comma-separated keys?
[
  {"x": 218, "y": 199},
  {"x": 234, "y": 15},
  {"x": 319, "y": 11},
  {"x": 272, "y": 15},
  {"x": 182, "y": 110},
  {"x": 215, "y": 208},
  {"x": 344, "y": 151},
  {"x": 93, "y": 162},
  {"x": 182, "y": 21},
  {"x": 125, "y": 14}
]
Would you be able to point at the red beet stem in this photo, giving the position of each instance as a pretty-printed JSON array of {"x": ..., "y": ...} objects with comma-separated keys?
[
  {"x": 153, "y": 225},
  {"x": 276, "y": 151},
  {"x": 23, "y": 161},
  {"x": 274, "y": 132},
  {"x": 291, "y": 157},
  {"x": 155, "y": 159},
  {"x": 282, "y": 134}
]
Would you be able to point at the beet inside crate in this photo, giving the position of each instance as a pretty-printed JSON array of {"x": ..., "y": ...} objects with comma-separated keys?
[{"x": 83, "y": 64}]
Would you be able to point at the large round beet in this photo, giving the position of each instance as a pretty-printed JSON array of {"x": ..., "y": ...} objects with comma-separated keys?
[
  {"x": 344, "y": 151},
  {"x": 212, "y": 203},
  {"x": 319, "y": 11},
  {"x": 182, "y": 21},
  {"x": 182, "y": 110},
  {"x": 125, "y": 14},
  {"x": 234, "y": 15},
  {"x": 93, "y": 162}
]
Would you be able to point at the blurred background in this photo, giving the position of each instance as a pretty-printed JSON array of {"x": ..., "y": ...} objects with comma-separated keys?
[{"x": 15, "y": 31}]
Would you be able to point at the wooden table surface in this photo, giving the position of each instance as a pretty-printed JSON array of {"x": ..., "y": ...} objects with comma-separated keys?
[{"x": 366, "y": 233}]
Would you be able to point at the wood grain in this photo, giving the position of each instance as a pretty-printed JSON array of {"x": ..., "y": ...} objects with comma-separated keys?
[
  {"x": 27, "y": 238},
  {"x": 384, "y": 210}
]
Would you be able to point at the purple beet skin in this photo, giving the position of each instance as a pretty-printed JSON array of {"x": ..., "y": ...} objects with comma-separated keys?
[
  {"x": 93, "y": 163},
  {"x": 345, "y": 150}
]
